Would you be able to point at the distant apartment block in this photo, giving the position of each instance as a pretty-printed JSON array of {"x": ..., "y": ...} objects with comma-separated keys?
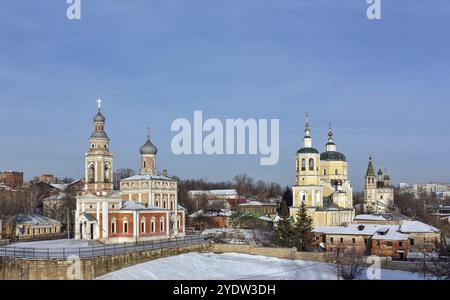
[{"x": 441, "y": 190}]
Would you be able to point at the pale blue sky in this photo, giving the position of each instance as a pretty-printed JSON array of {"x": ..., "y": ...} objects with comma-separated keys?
[{"x": 384, "y": 85}]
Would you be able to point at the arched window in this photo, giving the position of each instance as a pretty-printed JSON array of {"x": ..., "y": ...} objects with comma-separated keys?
[
  {"x": 143, "y": 225},
  {"x": 161, "y": 225},
  {"x": 152, "y": 224},
  {"x": 113, "y": 226},
  {"x": 336, "y": 172},
  {"x": 91, "y": 174},
  {"x": 107, "y": 176},
  {"x": 145, "y": 164},
  {"x": 325, "y": 172},
  {"x": 125, "y": 225},
  {"x": 303, "y": 165},
  {"x": 311, "y": 164}
]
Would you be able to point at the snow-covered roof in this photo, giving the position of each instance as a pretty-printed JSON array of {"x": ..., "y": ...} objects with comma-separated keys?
[
  {"x": 354, "y": 229},
  {"x": 391, "y": 234},
  {"x": 133, "y": 205},
  {"x": 380, "y": 217},
  {"x": 227, "y": 192},
  {"x": 213, "y": 213},
  {"x": 32, "y": 219},
  {"x": 370, "y": 218},
  {"x": 417, "y": 227},
  {"x": 59, "y": 196},
  {"x": 60, "y": 186},
  {"x": 256, "y": 203},
  {"x": 148, "y": 177}
]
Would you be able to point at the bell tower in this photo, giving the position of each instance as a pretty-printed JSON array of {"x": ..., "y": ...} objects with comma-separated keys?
[
  {"x": 98, "y": 159},
  {"x": 370, "y": 188}
]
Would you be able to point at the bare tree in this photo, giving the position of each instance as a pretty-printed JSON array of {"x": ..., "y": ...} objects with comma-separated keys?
[
  {"x": 348, "y": 265},
  {"x": 122, "y": 174}
]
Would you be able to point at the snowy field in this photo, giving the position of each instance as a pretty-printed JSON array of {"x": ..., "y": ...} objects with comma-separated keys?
[
  {"x": 233, "y": 266},
  {"x": 55, "y": 244}
]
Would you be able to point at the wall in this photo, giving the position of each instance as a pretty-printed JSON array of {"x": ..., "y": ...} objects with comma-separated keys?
[{"x": 20, "y": 269}]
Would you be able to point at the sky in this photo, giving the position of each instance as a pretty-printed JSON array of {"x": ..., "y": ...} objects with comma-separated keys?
[{"x": 383, "y": 84}]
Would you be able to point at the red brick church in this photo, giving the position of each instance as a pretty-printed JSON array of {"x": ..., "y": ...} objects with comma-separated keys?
[{"x": 146, "y": 206}]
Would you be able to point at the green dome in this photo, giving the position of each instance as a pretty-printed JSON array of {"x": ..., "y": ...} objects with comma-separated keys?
[
  {"x": 387, "y": 177},
  {"x": 307, "y": 150},
  {"x": 332, "y": 156}
]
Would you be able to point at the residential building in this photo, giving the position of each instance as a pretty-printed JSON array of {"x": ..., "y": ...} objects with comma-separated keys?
[
  {"x": 258, "y": 208},
  {"x": 32, "y": 225}
]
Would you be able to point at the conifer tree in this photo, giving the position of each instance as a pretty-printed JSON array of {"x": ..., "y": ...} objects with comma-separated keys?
[
  {"x": 303, "y": 229},
  {"x": 285, "y": 230}
]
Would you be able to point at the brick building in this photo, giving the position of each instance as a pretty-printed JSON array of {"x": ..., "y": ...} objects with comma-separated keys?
[{"x": 12, "y": 179}]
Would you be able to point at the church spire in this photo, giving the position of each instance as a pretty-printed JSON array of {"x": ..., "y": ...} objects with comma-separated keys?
[
  {"x": 370, "y": 169},
  {"x": 307, "y": 139},
  {"x": 331, "y": 146}
]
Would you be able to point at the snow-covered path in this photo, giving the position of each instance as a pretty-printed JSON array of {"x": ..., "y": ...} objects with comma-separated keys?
[{"x": 233, "y": 266}]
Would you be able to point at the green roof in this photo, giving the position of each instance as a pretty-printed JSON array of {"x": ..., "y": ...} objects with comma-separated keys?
[
  {"x": 308, "y": 150},
  {"x": 333, "y": 156},
  {"x": 370, "y": 169}
]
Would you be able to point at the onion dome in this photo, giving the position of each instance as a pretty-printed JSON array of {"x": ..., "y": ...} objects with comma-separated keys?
[
  {"x": 148, "y": 148},
  {"x": 99, "y": 117}
]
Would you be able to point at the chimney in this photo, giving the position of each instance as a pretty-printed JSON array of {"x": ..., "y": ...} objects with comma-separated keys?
[{"x": 165, "y": 173}]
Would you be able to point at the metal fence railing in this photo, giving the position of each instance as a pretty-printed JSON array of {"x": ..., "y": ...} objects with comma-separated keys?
[{"x": 97, "y": 251}]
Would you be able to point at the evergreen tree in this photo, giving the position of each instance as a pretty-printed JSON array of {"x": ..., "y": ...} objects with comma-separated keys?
[
  {"x": 285, "y": 230},
  {"x": 302, "y": 229}
]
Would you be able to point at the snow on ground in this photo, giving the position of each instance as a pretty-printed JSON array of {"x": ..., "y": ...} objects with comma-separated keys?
[
  {"x": 54, "y": 244},
  {"x": 233, "y": 266}
]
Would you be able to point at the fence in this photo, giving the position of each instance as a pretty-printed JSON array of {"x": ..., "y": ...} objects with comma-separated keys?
[{"x": 97, "y": 251}]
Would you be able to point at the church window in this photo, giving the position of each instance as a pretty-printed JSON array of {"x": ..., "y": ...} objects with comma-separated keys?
[
  {"x": 161, "y": 224},
  {"x": 91, "y": 174},
  {"x": 311, "y": 164},
  {"x": 331, "y": 240},
  {"x": 145, "y": 164},
  {"x": 296, "y": 165},
  {"x": 113, "y": 226},
  {"x": 303, "y": 165},
  {"x": 336, "y": 172},
  {"x": 153, "y": 225},
  {"x": 342, "y": 240},
  {"x": 389, "y": 244},
  {"x": 353, "y": 240},
  {"x": 411, "y": 241},
  {"x": 400, "y": 244},
  {"x": 324, "y": 172},
  {"x": 143, "y": 226},
  {"x": 125, "y": 226}
]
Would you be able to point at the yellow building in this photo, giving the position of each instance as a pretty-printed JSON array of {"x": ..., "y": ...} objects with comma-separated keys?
[{"x": 322, "y": 183}]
